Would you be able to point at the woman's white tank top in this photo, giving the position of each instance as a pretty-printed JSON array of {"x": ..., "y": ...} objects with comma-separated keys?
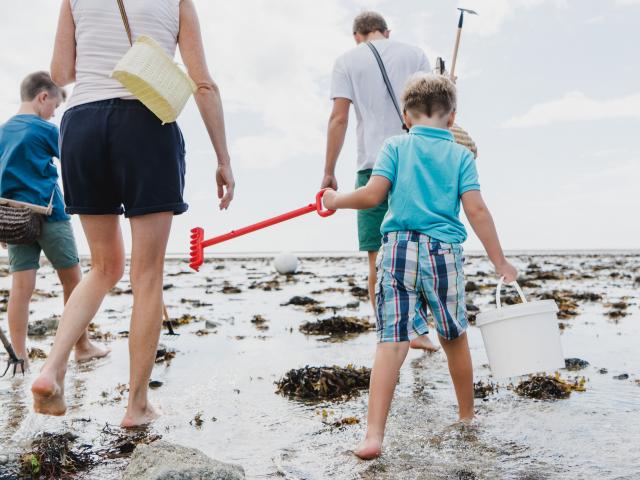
[{"x": 101, "y": 41}]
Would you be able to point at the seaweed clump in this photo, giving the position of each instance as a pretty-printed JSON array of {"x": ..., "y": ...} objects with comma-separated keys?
[
  {"x": 54, "y": 456},
  {"x": 322, "y": 383},
  {"x": 544, "y": 387},
  {"x": 337, "y": 325},
  {"x": 483, "y": 390}
]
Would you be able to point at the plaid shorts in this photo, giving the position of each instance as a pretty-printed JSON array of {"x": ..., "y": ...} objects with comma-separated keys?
[{"x": 418, "y": 276}]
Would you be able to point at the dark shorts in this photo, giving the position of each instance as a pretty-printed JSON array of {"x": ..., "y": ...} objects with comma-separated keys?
[
  {"x": 370, "y": 220},
  {"x": 117, "y": 157}
]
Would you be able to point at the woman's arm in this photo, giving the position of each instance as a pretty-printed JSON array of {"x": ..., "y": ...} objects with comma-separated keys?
[
  {"x": 207, "y": 96},
  {"x": 63, "y": 62}
]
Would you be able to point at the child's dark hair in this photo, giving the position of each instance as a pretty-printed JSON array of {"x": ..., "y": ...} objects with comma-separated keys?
[
  {"x": 429, "y": 95},
  {"x": 38, "y": 82}
]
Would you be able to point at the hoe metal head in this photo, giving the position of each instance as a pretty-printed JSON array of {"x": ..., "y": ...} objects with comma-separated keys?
[
  {"x": 197, "y": 250},
  {"x": 462, "y": 12}
]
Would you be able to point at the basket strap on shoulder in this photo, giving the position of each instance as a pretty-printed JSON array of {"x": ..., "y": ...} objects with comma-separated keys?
[{"x": 125, "y": 20}]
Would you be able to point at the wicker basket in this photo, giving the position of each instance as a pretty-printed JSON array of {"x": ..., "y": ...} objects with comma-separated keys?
[
  {"x": 464, "y": 139},
  {"x": 154, "y": 79},
  {"x": 19, "y": 225}
]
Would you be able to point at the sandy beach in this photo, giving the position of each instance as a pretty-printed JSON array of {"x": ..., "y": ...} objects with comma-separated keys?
[{"x": 216, "y": 386}]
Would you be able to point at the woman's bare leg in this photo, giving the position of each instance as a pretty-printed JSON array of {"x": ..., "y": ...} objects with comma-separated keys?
[
  {"x": 107, "y": 266},
  {"x": 84, "y": 349},
  {"x": 22, "y": 286},
  {"x": 150, "y": 234}
]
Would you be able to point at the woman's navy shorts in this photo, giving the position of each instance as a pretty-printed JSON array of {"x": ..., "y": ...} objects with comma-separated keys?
[{"x": 117, "y": 157}]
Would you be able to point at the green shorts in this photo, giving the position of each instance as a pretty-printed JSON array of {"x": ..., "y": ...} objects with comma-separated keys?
[
  {"x": 57, "y": 243},
  {"x": 369, "y": 221}
]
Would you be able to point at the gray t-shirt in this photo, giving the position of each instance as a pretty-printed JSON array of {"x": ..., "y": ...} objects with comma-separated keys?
[{"x": 356, "y": 77}]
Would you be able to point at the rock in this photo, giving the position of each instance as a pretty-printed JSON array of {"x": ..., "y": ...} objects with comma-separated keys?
[
  {"x": 603, "y": 371},
  {"x": 622, "y": 376},
  {"x": 471, "y": 287},
  {"x": 40, "y": 328},
  {"x": 211, "y": 324},
  {"x": 297, "y": 300},
  {"x": 165, "y": 461},
  {"x": 574, "y": 364},
  {"x": 155, "y": 384},
  {"x": 359, "y": 292}
]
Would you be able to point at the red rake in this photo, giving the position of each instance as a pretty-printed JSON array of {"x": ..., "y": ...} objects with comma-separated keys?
[{"x": 198, "y": 243}]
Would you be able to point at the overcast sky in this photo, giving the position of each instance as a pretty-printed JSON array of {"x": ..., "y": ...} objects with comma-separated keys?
[{"x": 550, "y": 91}]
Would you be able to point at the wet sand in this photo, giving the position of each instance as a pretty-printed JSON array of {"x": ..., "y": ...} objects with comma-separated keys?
[{"x": 225, "y": 375}]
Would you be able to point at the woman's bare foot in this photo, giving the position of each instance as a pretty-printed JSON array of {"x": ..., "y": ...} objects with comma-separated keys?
[
  {"x": 48, "y": 395},
  {"x": 369, "y": 449},
  {"x": 137, "y": 418},
  {"x": 423, "y": 342},
  {"x": 89, "y": 351}
]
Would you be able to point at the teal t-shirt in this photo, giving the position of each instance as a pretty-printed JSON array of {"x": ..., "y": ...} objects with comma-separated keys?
[
  {"x": 28, "y": 145},
  {"x": 428, "y": 172}
]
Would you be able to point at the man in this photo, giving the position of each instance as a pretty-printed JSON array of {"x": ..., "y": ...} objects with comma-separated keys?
[
  {"x": 28, "y": 144},
  {"x": 357, "y": 80}
]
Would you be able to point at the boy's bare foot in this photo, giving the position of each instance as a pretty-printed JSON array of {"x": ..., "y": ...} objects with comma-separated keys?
[
  {"x": 48, "y": 395},
  {"x": 89, "y": 351},
  {"x": 137, "y": 418},
  {"x": 369, "y": 449},
  {"x": 423, "y": 342}
]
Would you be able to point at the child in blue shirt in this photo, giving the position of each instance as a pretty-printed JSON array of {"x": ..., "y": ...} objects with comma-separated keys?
[
  {"x": 28, "y": 145},
  {"x": 426, "y": 177}
]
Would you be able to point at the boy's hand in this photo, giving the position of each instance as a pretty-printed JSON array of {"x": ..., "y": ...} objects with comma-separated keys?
[
  {"x": 224, "y": 178},
  {"x": 507, "y": 271},
  {"x": 329, "y": 199}
]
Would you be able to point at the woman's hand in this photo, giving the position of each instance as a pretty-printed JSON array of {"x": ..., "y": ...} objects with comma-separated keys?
[{"x": 224, "y": 179}]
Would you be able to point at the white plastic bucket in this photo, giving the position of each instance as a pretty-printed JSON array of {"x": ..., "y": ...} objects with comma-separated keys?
[{"x": 523, "y": 338}]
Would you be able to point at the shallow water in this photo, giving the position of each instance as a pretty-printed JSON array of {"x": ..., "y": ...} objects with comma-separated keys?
[{"x": 228, "y": 376}]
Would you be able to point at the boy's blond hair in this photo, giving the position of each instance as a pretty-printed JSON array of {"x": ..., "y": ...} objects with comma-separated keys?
[{"x": 429, "y": 94}]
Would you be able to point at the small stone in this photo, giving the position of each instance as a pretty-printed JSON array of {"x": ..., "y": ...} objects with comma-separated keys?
[
  {"x": 573, "y": 364},
  {"x": 622, "y": 376},
  {"x": 155, "y": 384},
  {"x": 603, "y": 371}
]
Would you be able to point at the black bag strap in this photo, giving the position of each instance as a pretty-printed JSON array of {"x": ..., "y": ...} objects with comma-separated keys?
[{"x": 387, "y": 82}]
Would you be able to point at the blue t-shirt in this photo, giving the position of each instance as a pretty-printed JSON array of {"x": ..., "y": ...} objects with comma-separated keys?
[
  {"x": 428, "y": 172},
  {"x": 27, "y": 172}
]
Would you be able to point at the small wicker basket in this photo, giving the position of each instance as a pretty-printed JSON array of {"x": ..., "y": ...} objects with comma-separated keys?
[
  {"x": 464, "y": 139},
  {"x": 154, "y": 79}
]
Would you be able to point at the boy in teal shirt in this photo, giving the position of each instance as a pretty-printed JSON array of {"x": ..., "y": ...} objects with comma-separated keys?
[
  {"x": 426, "y": 176},
  {"x": 28, "y": 144}
]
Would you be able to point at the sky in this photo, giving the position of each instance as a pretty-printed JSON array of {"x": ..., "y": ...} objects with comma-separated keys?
[{"x": 548, "y": 89}]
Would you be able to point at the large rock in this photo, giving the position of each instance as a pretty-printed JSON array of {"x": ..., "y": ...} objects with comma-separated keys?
[{"x": 166, "y": 461}]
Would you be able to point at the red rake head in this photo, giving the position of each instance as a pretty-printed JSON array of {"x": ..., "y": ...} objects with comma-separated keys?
[{"x": 197, "y": 252}]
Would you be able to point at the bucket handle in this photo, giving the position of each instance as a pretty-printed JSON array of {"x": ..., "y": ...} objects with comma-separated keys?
[{"x": 499, "y": 288}]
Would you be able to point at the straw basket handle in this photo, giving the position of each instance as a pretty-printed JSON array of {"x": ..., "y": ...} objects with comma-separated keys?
[{"x": 499, "y": 288}]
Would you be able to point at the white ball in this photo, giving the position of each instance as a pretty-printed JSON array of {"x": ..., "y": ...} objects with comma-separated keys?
[{"x": 285, "y": 263}]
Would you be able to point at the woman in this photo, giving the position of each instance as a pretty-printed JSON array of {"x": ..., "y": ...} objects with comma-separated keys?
[{"x": 117, "y": 158}]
